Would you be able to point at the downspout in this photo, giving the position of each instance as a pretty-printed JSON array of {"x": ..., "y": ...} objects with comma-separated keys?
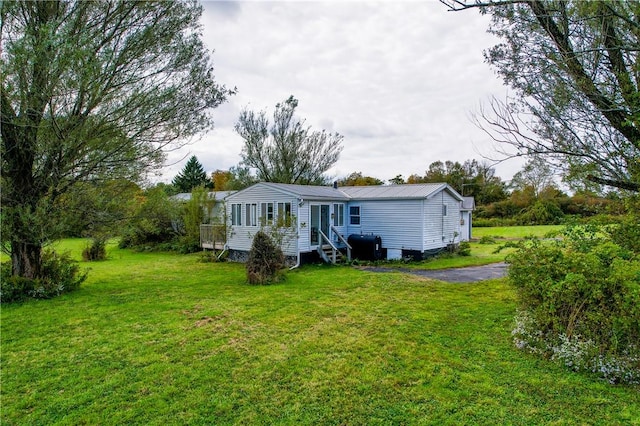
[
  {"x": 225, "y": 247},
  {"x": 297, "y": 265}
]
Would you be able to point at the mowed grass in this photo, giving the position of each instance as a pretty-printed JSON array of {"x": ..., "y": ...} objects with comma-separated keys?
[
  {"x": 515, "y": 232},
  {"x": 156, "y": 338}
]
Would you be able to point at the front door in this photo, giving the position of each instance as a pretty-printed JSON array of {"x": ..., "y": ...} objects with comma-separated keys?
[{"x": 319, "y": 221}]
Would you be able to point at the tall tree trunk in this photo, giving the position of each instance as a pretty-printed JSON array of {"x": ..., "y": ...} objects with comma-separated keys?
[{"x": 26, "y": 259}]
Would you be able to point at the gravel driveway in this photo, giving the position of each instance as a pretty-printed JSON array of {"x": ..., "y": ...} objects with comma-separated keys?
[{"x": 453, "y": 275}]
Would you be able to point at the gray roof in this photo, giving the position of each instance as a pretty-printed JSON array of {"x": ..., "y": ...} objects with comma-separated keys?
[
  {"x": 308, "y": 191},
  {"x": 468, "y": 203},
  {"x": 375, "y": 192},
  {"x": 381, "y": 192},
  {"x": 219, "y": 195}
]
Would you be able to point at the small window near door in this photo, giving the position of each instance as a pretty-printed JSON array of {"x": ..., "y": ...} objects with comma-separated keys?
[
  {"x": 354, "y": 215},
  {"x": 444, "y": 210},
  {"x": 338, "y": 215}
]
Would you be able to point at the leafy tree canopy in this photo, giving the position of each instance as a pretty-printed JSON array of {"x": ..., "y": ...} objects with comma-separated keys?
[
  {"x": 574, "y": 68},
  {"x": 285, "y": 150},
  {"x": 471, "y": 178},
  {"x": 92, "y": 91},
  {"x": 357, "y": 179}
]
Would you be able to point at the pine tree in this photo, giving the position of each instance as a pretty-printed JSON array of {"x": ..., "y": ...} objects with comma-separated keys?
[{"x": 191, "y": 176}]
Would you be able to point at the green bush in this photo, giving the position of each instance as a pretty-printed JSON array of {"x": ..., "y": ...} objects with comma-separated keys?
[
  {"x": 541, "y": 213},
  {"x": 464, "y": 249},
  {"x": 266, "y": 261},
  {"x": 580, "y": 301},
  {"x": 154, "y": 222},
  {"x": 487, "y": 239},
  {"x": 60, "y": 274},
  {"x": 95, "y": 251},
  {"x": 14, "y": 289}
]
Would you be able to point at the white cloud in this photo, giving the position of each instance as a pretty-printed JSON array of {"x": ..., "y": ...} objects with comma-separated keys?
[{"x": 397, "y": 79}]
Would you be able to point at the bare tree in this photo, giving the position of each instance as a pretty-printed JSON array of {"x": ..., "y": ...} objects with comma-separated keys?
[
  {"x": 574, "y": 68},
  {"x": 286, "y": 151}
]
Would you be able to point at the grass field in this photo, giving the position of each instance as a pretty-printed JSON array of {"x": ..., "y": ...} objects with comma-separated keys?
[
  {"x": 156, "y": 338},
  {"x": 514, "y": 231}
]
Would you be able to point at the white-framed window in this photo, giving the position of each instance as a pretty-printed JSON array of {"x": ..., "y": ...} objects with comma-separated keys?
[
  {"x": 284, "y": 214},
  {"x": 236, "y": 214},
  {"x": 251, "y": 211},
  {"x": 444, "y": 210},
  {"x": 338, "y": 215},
  {"x": 354, "y": 215},
  {"x": 266, "y": 213}
]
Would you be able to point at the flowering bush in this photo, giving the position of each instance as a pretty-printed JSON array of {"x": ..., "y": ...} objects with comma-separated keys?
[{"x": 580, "y": 300}]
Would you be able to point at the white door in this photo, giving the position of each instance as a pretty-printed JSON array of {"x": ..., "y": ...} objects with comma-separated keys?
[{"x": 319, "y": 222}]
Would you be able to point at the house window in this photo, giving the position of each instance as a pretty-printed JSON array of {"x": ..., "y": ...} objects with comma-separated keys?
[
  {"x": 338, "y": 215},
  {"x": 284, "y": 214},
  {"x": 236, "y": 211},
  {"x": 252, "y": 214},
  {"x": 266, "y": 213},
  {"x": 444, "y": 210},
  {"x": 354, "y": 215}
]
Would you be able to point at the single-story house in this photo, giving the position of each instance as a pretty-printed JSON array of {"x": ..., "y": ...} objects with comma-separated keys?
[{"x": 393, "y": 222}]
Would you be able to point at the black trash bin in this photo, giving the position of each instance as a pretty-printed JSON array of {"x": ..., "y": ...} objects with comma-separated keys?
[{"x": 365, "y": 247}]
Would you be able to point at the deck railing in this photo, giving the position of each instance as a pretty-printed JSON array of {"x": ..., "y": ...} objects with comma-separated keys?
[{"x": 212, "y": 236}]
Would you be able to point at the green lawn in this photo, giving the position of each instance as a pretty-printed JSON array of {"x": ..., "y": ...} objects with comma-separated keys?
[
  {"x": 162, "y": 339},
  {"x": 514, "y": 231}
]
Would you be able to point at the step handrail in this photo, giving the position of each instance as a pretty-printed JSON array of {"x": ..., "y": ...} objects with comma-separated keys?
[
  {"x": 334, "y": 249},
  {"x": 342, "y": 239}
]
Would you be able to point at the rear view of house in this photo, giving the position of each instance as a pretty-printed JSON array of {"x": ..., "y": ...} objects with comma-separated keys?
[{"x": 397, "y": 220}]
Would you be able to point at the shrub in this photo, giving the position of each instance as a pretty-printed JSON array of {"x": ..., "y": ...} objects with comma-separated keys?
[
  {"x": 581, "y": 301},
  {"x": 95, "y": 251},
  {"x": 60, "y": 274},
  {"x": 541, "y": 213},
  {"x": 487, "y": 239},
  {"x": 464, "y": 249},
  {"x": 266, "y": 261},
  {"x": 153, "y": 223}
]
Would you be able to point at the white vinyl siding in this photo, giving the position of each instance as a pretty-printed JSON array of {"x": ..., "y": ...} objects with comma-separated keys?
[
  {"x": 241, "y": 237},
  {"x": 397, "y": 222},
  {"x": 440, "y": 230}
]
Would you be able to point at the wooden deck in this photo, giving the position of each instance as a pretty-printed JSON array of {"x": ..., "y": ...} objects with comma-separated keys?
[{"x": 212, "y": 237}]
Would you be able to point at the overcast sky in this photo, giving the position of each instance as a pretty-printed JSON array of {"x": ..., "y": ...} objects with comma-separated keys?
[{"x": 398, "y": 79}]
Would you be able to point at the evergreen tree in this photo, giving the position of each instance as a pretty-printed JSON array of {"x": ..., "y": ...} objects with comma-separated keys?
[{"x": 191, "y": 176}]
